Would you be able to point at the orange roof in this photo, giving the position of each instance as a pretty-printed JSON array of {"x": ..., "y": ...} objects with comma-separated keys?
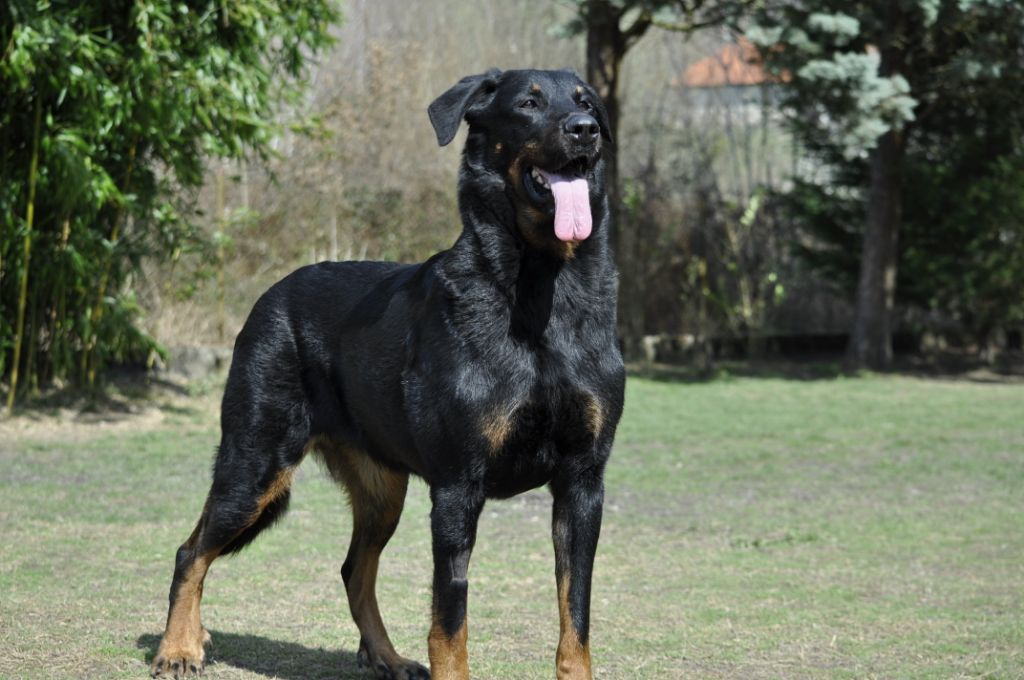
[{"x": 736, "y": 64}]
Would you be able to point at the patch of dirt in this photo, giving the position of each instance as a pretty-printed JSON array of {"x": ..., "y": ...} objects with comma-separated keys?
[{"x": 130, "y": 402}]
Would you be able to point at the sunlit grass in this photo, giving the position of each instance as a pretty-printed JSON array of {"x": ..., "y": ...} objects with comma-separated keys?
[{"x": 866, "y": 527}]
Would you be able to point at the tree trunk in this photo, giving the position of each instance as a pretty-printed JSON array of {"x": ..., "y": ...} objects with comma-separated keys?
[
  {"x": 871, "y": 337},
  {"x": 607, "y": 44},
  {"x": 606, "y": 47}
]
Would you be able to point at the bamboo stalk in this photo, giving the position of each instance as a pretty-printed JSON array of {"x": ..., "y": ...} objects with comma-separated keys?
[
  {"x": 5, "y": 145},
  {"x": 59, "y": 359},
  {"x": 31, "y": 369},
  {"x": 222, "y": 228},
  {"x": 89, "y": 363},
  {"x": 30, "y": 211}
]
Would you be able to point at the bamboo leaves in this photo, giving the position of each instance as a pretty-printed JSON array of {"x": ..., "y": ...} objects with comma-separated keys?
[{"x": 109, "y": 110}]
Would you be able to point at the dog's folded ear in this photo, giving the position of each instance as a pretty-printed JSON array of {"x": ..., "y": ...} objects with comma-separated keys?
[{"x": 448, "y": 110}]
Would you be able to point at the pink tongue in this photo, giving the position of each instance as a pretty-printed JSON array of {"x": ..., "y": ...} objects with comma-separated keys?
[{"x": 572, "y": 207}]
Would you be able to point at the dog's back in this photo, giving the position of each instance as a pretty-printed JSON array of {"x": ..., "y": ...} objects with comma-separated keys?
[{"x": 322, "y": 351}]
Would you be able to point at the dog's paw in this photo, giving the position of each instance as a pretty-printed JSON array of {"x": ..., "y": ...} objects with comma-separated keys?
[
  {"x": 394, "y": 669},
  {"x": 180, "y": 660},
  {"x": 177, "y": 665},
  {"x": 406, "y": 670}
]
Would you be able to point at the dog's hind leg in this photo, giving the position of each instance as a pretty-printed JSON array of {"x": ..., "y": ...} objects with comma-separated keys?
[
  {"x": 250, "y": 492},
  {"x": 377, "y": 495}
]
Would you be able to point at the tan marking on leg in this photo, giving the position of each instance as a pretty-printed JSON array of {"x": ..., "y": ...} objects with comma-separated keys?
[
  {"x": 497, "y": 429},
  {"x": 278, "y": 487},
  {"x": 449, "y": 656},
  {"x": 362, "y": 602},
  {"x": 572, "y": 662},
  {"x": 377, "y": 495},
  {"x": 595, "y": 415},
  {"x": 361, "y": 587},
  {"x": 184, "y": 637},
  {"x": 362, "y": 476},
  {"x": 362, "y": 596}
]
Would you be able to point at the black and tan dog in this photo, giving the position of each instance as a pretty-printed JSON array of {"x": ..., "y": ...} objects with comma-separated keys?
[{"x": 490, "y": 369}]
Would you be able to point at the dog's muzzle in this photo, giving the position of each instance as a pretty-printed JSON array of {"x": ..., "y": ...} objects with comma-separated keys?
[{"x": 582, "y": 129}]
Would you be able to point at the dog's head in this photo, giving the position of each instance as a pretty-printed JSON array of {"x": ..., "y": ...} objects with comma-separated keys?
[{"x": 542, "y": 132}]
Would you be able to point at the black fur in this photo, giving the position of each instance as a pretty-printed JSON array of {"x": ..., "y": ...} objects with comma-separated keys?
[{"x": 489, "y": 369}]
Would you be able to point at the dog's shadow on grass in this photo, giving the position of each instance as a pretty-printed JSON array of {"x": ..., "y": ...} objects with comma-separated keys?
[{"x": 272, "y": 658}]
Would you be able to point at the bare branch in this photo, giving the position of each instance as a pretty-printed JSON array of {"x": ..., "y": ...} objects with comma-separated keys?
[
  {"x": 632, "y": 34},
  {"x": 696, "y": 20}
]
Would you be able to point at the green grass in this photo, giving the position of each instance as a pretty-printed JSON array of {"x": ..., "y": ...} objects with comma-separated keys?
[{"x": 754, "y": 528}]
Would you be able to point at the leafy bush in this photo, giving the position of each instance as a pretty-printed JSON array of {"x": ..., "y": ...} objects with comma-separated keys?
[{"x": 109, "y": 111}]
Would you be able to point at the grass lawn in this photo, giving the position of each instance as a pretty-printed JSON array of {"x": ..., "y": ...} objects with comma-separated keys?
[{"x": 754, "y": 528}]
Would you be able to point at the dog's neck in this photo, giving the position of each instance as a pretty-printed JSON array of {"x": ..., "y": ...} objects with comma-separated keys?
[
  {"x": 490, "y": 248},
  {"x": 492, "y": 245},
  {"x": 491, "y": 270},
  {"x": 499, "y": 287}
]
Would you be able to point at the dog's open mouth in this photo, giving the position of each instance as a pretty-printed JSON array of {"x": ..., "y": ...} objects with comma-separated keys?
[{"x": 570, "y": 191}]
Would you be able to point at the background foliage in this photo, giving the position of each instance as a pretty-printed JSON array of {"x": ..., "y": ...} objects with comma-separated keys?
[
  {"x": 946, "y": 76},
  {"x": 173, "y": 185},
  {"x": 111, "y": 111}
]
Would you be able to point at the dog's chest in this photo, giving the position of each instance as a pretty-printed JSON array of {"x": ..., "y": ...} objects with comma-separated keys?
[{"x": 528, "y": 438}]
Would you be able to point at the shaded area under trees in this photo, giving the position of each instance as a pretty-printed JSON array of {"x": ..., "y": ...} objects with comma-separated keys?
[{"x": 914, "y": 109}]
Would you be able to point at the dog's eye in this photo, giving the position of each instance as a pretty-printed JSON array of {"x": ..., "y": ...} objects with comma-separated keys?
[
  {"x": 529, "y": 103},
  {"x": 586, "y": 106}
]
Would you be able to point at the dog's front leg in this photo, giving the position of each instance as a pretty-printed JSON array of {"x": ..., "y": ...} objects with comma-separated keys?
[
  {"x": 575, "y": 528},
  {"x": 453, "y": 521}
]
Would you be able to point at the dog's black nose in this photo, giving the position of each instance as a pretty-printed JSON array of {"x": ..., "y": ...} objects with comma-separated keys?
[{"x": 581, "y": 127}]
